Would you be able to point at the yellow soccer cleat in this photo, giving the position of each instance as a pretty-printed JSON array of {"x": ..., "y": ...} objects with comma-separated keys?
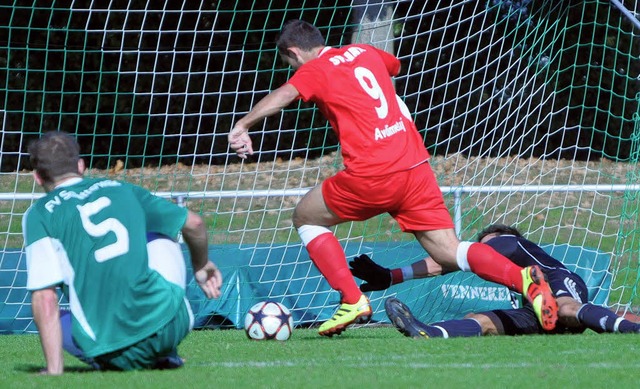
[
  {"x": 345, "y": 315},
  {"x": 537, "y": 291}
]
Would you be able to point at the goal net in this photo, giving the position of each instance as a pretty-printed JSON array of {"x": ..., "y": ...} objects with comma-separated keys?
[{"x": 530, "y": 110}]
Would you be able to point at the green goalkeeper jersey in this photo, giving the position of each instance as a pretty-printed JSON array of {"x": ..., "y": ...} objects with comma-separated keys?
[{"x": 89, "y": 235}]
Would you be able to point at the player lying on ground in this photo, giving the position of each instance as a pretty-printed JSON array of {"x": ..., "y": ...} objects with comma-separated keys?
[
  {"x": 89, "y": 236},
  {"x": 386, "y": 171},
  {"x": 575, "y": 314}
]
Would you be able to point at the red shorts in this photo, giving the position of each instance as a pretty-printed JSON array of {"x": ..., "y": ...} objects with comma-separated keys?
[{"x": 412, "y": 197}]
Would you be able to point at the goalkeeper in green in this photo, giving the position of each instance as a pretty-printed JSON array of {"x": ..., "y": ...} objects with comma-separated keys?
[
  {"x": 89, "y": 237},
  {"x": 575, "y": 313}
]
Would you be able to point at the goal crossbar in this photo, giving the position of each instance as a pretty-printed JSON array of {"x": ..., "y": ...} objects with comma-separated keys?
[{"x": 456, "y": 191}]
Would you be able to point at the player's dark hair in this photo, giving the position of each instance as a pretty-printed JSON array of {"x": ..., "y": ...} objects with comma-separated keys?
[
  {"x": 500, "y": 229},
  {"x": 300, "y": 34},
  {"x": 54, "y": 155}
]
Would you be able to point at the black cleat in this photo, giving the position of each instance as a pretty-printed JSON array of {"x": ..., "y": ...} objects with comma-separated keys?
[{"x": 402, "y": 318}]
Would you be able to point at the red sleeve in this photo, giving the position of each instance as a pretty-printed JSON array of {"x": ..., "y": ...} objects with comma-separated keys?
[
  {"x": 390, "y": 61},
  {"x": 305, "y": 80}
]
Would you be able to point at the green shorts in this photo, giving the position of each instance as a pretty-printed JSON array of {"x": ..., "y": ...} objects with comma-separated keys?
[{"x": 146, "y": 353}]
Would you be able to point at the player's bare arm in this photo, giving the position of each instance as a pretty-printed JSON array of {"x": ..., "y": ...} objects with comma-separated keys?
[
  {"x": 44, "y": 303},
  {"x": 205, "y": 272},
  {"x": 274, "y": 102}
]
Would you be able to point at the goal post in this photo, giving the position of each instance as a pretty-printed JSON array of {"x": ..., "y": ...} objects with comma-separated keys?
[{"x": 530, "y": 109}]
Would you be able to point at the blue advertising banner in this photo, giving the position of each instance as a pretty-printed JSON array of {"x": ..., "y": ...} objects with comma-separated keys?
[{"x": 285, "y": 274}]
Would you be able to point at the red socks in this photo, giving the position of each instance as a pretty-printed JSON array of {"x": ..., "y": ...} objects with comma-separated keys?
[
  {"x": 396, "y": 276},
  {"x": 493, "y": 266},
  {"x": 328, "y": 256}
]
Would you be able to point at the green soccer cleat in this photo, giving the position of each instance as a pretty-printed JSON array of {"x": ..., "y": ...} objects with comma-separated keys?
[
  {"x": 537, "y": 291},
  {"x": 345, "y": 315}
]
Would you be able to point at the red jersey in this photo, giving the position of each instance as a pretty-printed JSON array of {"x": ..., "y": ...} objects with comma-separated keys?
[{"x": 352, "y": 87}]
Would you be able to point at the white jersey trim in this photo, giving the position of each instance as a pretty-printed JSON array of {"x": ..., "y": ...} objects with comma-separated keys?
[
  {"x": 44, "y": 268},
  {"x": 47, "y": 265}
]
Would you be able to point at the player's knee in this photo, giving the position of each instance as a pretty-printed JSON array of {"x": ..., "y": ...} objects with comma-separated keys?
[
  {"x": 444, "y": 248},
  {"x": 568, "y": 308},
  {"x": 471, "y": 315},
  {"x": 166, "y": 257},
  {"x": 487, "y": 325},
  {"x": 297, "y": 218},
  {"x": 302, "y": 216}
]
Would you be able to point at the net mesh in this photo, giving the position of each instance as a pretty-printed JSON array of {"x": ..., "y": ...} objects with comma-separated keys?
[{"x": 530, "y": 110}]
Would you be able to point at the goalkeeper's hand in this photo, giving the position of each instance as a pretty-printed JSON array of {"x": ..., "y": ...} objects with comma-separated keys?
[{"x": 376, "y": 276}]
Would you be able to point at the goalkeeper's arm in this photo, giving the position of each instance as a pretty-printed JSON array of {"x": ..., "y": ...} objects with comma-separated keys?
[{"x": 377, "y": 277}]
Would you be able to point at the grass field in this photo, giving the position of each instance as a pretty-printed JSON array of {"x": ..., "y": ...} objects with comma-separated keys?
[
  {"x": 359, "y": 358},
  {"x": 371, "y": 357}
]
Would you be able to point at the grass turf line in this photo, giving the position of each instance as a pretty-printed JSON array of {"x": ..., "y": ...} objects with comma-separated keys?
[{"x": 362, "y": 357}]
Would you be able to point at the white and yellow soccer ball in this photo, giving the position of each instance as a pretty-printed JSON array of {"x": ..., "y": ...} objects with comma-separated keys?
[{"x": 268, "y": 320}]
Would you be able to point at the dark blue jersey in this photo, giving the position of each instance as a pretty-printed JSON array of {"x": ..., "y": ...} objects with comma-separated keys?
[{"x": 525, "y": 253}]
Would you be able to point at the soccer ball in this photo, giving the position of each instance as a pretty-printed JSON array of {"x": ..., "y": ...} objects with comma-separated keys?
[{"x": 268, "y": 320}]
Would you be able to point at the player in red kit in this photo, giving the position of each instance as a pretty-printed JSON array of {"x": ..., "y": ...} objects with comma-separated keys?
[{"x": 386, "y": 170}]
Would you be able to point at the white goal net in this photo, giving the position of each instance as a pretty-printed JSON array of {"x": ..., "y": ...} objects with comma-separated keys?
[{"x": 530, "y": 110}]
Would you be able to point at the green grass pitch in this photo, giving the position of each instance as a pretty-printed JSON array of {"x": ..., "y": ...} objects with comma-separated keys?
[{"x": 359, "y": 358}]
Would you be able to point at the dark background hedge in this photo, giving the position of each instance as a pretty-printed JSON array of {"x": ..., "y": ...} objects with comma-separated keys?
[{"x": 159, "y": 98}]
